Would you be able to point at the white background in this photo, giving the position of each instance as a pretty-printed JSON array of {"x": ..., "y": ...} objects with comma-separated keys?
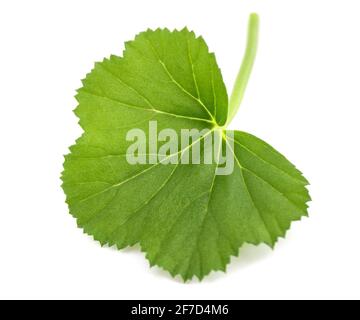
[{"x": 303, "y": 98}]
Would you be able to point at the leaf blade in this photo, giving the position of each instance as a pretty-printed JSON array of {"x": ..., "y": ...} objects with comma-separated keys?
[{"x": 187, "y": 219}]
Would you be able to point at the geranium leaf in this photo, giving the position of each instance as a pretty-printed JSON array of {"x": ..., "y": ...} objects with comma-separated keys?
[{"x": 187, "y": 219}]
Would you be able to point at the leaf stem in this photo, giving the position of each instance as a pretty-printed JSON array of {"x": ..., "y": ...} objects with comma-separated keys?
[{"x": 246, "y": 67}]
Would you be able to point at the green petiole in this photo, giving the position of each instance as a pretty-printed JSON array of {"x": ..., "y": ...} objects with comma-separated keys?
[{"x": 246, "y": 67}]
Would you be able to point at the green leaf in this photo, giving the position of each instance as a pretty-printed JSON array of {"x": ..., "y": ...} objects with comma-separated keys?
[{"x": 187, "y": 219}]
